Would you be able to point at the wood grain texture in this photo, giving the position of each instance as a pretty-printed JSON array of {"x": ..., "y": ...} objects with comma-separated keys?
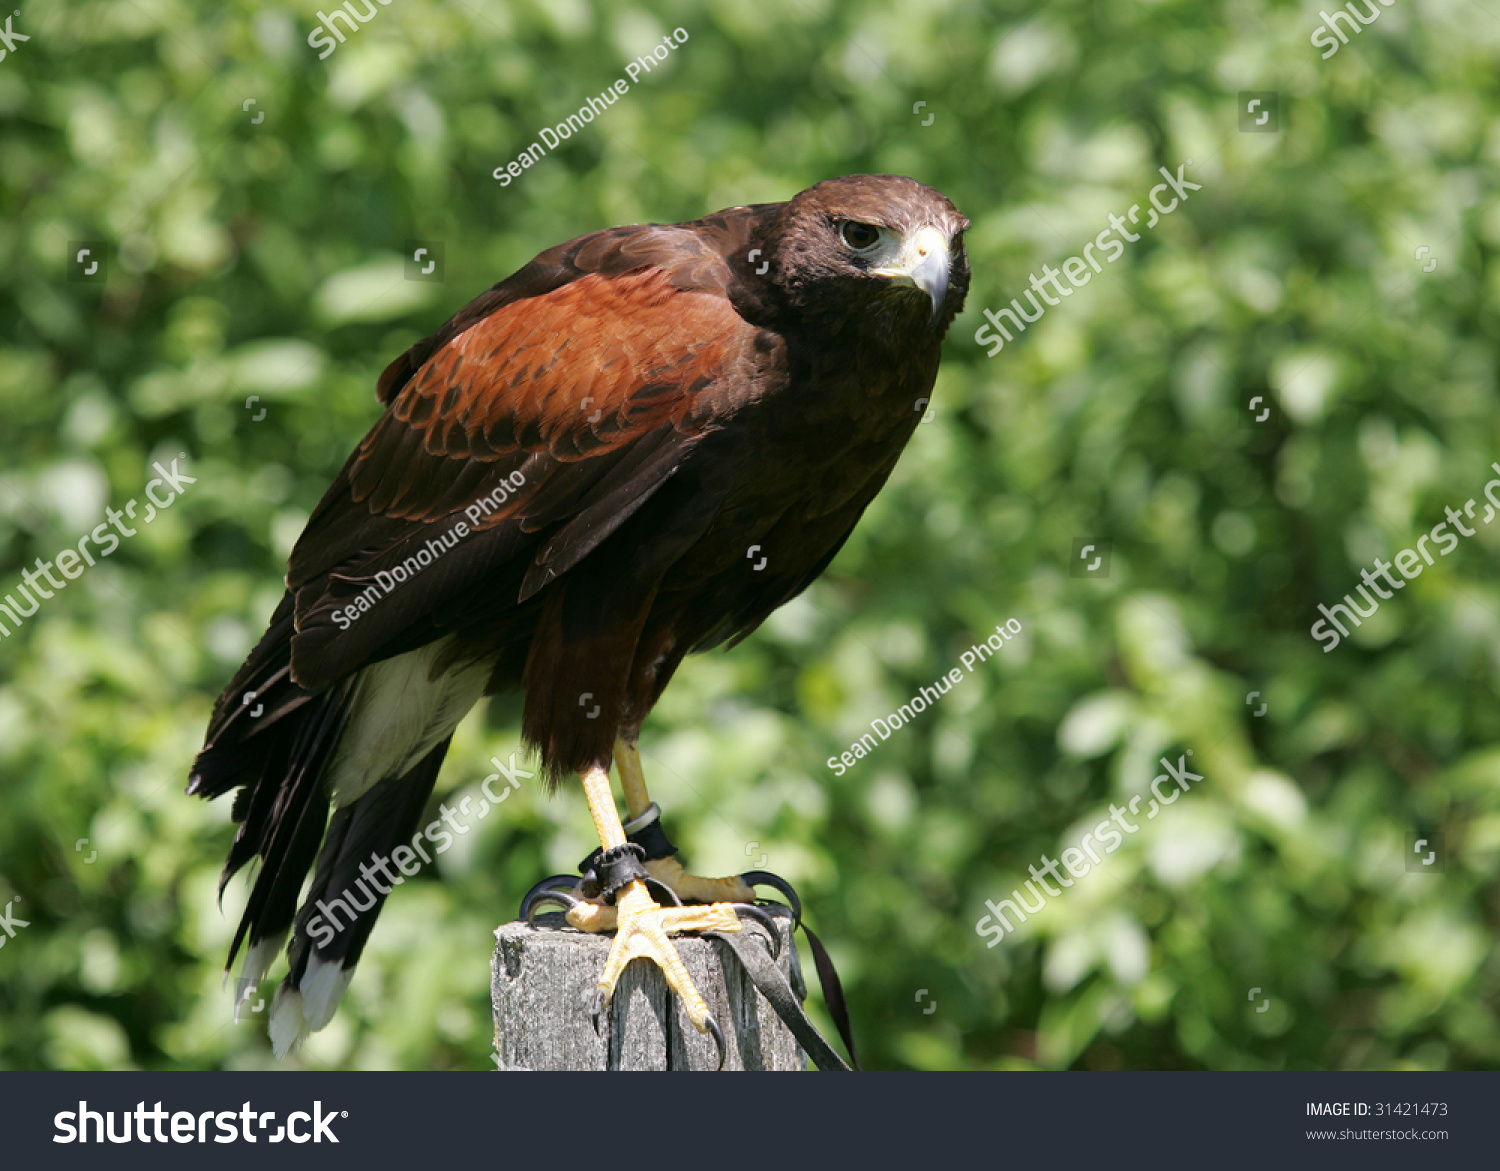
[{"x": 544, "y": 977}]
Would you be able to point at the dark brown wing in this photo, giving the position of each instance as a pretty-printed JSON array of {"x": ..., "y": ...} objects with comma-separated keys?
[{"x": 583, "y": 397}]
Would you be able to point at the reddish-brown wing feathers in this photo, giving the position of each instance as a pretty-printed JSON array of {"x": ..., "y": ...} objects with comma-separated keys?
[
  {"x": 583, "y": 369},
  {"x": 592, "y": 391}
]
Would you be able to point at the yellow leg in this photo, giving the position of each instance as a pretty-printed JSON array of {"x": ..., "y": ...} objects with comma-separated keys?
[
  {"x": 632, "y": 779},
  {"x": 690, "y": 888},
  {"x": 596, "y": 792},
  {"x": 641, "y": 926}
]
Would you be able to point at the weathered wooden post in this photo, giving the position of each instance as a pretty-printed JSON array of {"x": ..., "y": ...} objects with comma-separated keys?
[{"x": 544, "y": 978}]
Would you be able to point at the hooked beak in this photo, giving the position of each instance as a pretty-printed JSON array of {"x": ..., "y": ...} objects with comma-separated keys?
[{"x": 924, "y": 264}]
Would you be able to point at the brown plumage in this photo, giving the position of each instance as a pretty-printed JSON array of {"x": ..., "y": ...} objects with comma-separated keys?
[{"x": 637, "y": 407}]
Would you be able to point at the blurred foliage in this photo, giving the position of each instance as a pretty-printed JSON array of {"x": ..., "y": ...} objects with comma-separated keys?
[{"x": 257, "y": 266}]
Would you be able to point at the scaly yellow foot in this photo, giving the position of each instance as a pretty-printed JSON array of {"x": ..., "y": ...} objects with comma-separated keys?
[
  {"x": 694, "y": 888},
  {"x": 737, "y": 888},
  {"x": 689, "y": 888},
  {"x": 642, "y": 925},
  {"x": 641, "y": 928}
]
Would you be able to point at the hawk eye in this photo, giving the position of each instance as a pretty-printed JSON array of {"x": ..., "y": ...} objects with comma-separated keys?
[{"x": 860, "y": 237}]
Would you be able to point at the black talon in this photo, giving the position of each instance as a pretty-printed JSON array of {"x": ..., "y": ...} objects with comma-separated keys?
[
  {"x": 746, "y": 910},
  {"x": 713, "y": 1027},
  {"x": 542, "y": 897},
  {"x": 596, "y": 1009},
  {"x": 654, "y": 884},
  {"x": 766, "y": 878},
  {"x": 543, "y": 892}
]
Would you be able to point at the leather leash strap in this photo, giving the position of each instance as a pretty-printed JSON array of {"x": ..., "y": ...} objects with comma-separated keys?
[{"x": 755, "y": 958}]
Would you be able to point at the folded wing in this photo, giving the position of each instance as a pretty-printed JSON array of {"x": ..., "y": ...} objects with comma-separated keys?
[{"x": 519, "y": 442}]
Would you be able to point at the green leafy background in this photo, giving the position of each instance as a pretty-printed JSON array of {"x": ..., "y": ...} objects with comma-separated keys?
[{"x": 265, "y": 259}]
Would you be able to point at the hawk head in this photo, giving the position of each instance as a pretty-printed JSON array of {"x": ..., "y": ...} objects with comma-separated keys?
[{"x": 876, "y": 250}]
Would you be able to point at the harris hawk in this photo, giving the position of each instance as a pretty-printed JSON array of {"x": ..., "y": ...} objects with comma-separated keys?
[{"x": 559, "y": 497}]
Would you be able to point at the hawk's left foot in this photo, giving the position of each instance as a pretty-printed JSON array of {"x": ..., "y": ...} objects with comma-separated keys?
[
  {"x": 646, "y": 832},
  {"x": 737, "y": 888},
  {"x": 665, "y": 882},
  {"x": 664, "y": 871}
]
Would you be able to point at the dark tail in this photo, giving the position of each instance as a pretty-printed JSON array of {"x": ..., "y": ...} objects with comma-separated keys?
[
  {"x": 356, "y": 870},
  {"x": 274, "y": 741}
]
